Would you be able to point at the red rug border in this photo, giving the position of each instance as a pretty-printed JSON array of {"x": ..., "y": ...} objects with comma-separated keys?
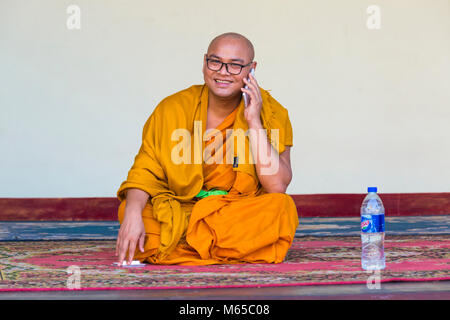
[
  {"x": 227, "y": 286},
  {"x": 308, "y": 205}
]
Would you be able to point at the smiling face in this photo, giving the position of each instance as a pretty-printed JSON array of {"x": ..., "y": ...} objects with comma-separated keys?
[{"x": 228, "y": 49}]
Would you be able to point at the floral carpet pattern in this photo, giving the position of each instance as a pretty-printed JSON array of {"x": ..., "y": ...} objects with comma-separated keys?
[{"x": 312, "y": 260}]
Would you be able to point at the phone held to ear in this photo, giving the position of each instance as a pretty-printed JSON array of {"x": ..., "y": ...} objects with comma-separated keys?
[{"x": 246, "y": 97}]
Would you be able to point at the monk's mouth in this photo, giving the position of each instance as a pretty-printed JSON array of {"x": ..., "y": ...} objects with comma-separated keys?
[{"x": 222, "y": 83}]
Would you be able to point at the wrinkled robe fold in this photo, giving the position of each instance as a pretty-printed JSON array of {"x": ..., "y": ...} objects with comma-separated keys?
[{"x": 246, "y": 225}]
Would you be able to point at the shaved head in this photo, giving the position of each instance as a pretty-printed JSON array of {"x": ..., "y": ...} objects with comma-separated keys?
[{"x": 235, "y": 37}]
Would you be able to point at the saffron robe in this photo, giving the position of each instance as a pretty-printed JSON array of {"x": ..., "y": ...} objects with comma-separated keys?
[{"x": 246, "y": 225}]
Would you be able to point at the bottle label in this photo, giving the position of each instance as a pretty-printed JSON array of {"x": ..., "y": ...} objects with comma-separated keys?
[{"x": 372, "y": 223}]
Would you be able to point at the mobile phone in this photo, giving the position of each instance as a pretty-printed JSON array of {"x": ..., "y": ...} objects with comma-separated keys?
[{"x": 246, "y": 97}]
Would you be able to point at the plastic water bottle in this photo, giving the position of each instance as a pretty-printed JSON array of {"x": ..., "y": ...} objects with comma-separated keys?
[{"x": 372, "y": 231}]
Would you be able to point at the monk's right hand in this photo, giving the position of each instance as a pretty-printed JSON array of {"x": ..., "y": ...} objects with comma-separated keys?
[{"x": 131, "y": 234}]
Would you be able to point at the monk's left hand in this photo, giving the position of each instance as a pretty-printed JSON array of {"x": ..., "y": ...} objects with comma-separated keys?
[{"x": 253, "y": 111}]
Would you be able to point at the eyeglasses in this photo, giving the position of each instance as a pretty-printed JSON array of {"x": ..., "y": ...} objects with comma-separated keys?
[{"x": 233, "y": 68}]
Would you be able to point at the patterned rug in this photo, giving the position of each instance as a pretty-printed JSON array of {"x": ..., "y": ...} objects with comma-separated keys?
[{"x": 45, "y": 265}]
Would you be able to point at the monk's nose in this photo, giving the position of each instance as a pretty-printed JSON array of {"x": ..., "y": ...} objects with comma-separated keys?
[{"x": 223, "y": 70}]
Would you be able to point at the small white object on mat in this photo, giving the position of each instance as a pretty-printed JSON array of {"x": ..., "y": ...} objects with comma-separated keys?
[{"x": 134, "y": 263}]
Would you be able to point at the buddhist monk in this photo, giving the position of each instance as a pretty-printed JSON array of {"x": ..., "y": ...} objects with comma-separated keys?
[{"x": 199, "y": 191}]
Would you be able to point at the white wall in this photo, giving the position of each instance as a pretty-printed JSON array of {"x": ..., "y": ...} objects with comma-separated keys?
[{"x": 369, "y": 107}]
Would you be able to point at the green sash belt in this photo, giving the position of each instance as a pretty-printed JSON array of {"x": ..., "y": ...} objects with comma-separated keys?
[{"x": 203, "y": 194}]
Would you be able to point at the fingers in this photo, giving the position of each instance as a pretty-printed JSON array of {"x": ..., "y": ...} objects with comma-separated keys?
[
  {"x": 131, "y": 234},
  {"x": 252, "y": 79},
  {"x": 251, "y": 94},
  {"x": 122, "y": 250},
  {"x": 141, "y": 242},
  {"x": 250, "y": 97},
  {"x": 131, "y": 250},
  {"x": 252, "y": 83},
  {"x": 253, "y": 89},
  {"x": 130, "y": 246}
]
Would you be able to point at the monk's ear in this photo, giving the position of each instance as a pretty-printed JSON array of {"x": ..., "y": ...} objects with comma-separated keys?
[{"x": 254, "y": 64}]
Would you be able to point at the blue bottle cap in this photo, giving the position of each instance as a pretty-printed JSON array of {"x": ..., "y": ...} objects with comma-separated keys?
[{"x": 372, "y": 189}]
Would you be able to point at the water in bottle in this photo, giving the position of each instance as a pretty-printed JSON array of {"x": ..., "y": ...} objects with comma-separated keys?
[{"x": 372, "y": 231}]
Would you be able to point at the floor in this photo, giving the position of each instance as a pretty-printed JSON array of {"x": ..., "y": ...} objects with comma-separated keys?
[
  {"x": 433, "y": 290},
  {"x": 436, "y": 290}
]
